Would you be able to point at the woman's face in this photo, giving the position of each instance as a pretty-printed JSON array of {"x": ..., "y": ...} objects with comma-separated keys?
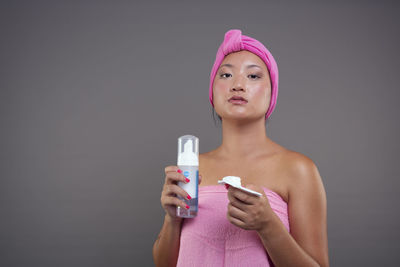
[{"x": 242, "y": 74}]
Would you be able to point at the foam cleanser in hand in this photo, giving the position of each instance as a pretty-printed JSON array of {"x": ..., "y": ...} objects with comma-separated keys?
[{"x": 188, "y": 162}]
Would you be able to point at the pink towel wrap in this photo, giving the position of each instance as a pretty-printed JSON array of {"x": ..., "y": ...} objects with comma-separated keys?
[
  {"x": 234, "y": 41},
  {"x": 210, "y": 239}
]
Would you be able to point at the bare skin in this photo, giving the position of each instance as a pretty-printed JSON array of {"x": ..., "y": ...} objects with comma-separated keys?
[{"x": 246, "y": 151}]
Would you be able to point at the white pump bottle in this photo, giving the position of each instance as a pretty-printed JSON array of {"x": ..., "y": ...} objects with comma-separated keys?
[{"x": 188, "y": 162}]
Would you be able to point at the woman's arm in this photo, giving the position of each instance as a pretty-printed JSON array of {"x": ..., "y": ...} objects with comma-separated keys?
[
  {"x": 166, "y": 247},
  {"x": 307, "y": 243}
]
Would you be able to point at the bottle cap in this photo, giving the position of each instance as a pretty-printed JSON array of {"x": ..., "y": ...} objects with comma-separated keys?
[{"x": 188, "y": 150}]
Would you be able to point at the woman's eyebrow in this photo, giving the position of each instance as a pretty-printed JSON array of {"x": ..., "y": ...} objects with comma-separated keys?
[
  {"x": 252, "y": 66},
  {"x": 248, "y": 66}
]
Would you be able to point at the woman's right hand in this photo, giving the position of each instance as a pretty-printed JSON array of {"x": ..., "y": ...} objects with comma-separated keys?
[{"x": 171, "y": 189}]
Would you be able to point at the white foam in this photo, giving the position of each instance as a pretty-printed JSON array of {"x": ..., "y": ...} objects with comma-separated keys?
[{"x": 235, "y": 182}]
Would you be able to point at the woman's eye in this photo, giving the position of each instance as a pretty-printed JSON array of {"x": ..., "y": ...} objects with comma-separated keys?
[
  {"x": 253, "y": 76},
  {"x": 222, "y": 75}
]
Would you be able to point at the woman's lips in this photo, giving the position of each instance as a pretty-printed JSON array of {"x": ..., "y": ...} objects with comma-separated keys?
[{"x": 238, "y": 101}]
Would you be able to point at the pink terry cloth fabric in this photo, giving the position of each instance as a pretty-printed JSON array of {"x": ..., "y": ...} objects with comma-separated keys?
[
  {"x": 210, "y": 240},
  {"x": 234, "y": 41}
]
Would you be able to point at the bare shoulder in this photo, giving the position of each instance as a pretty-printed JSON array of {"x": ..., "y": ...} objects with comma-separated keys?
[
  {"x": 297, "y": 163},
  {"x": 299, "y": 172},
  {"x": 302, "y": 173}
]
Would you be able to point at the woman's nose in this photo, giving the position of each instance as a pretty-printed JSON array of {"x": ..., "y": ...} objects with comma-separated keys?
[
  {"x": 236, "y": 88},
  {"x": 238, "y": 84}
]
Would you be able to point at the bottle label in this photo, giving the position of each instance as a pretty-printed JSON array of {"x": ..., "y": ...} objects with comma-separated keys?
[{"x": 192, "y": 173}]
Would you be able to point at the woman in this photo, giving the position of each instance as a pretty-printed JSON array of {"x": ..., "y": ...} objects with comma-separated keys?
[{"x": 287, "y": 225}]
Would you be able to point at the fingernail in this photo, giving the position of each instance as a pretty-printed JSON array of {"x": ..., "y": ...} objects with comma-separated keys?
[
  {"x": 187, "y": 180},
  {"x": 179, "y": 170},
  {"x": 189, "y": 197},
  {"x": 187, "y": 207}
]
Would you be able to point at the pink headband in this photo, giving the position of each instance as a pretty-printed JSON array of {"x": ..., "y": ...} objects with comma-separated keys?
[{"x": 234, "y": 41}]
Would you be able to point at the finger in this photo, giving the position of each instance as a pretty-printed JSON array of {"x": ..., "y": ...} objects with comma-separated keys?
[
  {"x": 173, "y": 190},
  {"x": 254, "y": 188},
  {"x": 173, "y": 177},
  {"x": 171, "y": 168},
  {"x": 241, "y": 195},
  {"x": 257, "y": 189},
  {"x": 236, "y": 212},
  {"x": 235, "y": 221},
  {"x": 236, "y": 202},
  {"x": 175, "y": 202},
  {"x": 200, "y": 177}
]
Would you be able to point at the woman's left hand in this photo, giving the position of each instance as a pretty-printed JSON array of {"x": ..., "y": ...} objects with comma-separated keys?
[{"x": 249, "y": 211}]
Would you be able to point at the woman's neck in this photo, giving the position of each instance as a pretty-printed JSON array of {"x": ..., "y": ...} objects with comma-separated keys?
[{"x": 243, "y": 140}]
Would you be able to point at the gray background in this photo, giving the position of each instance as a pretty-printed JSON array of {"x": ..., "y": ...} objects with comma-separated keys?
[{"x": 95, "y": 94}]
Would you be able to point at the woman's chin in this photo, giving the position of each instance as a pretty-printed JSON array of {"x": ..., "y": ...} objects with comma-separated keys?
[
  {"x": 238, "y": 117},
  {"x": 241, "y": 114}
]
